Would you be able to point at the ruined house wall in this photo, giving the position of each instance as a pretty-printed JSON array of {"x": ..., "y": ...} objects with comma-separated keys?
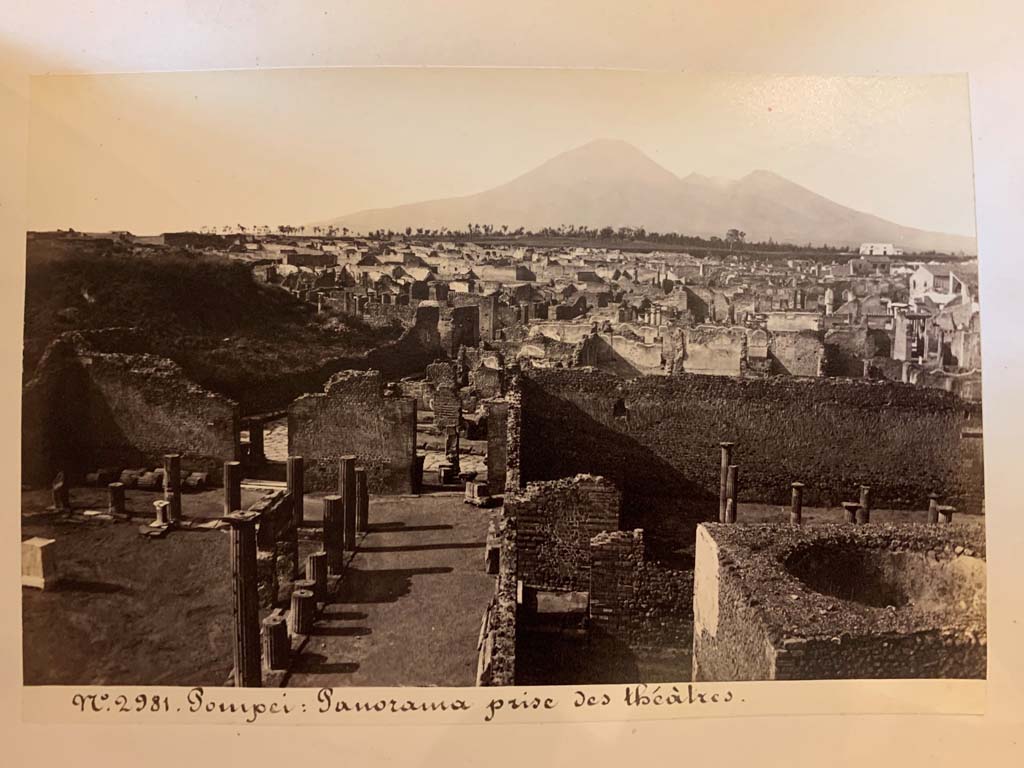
[
  {"x": 846, "y": 349},
  {"x": 621, "y": 355},
  {"x": 555, "y": 522},
  {"x": 86, "y": 409},
  {"x": 797, "y": 353},
  {"x": 636, "y": 601},
  {"x": 444, "y": 398},
  {"x": 657, "y": 438},
  {"x": 715, "y": 350},
  {"x": 383, "y": 315},
  {"x": 352, "y": 416},
  {"x": 459, "y": 326}
]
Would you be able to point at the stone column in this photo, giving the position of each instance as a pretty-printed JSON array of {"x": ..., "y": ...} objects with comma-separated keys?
[
  {"x": 796, "y": 504},
  {"x": 115, "y": 500},
  {"x": 731, "y": 505},
  {"x": 933, "y": 508},
  {"x": 334, "y": 533},
  {"x": 303, "y": 611},
  {"x": 722, "y": 496},
  {"x": 864, "y": 512},
  {"x": 362, "y": 501},
  {"x": 347, "y": 490},
  {"x": 316, "y": 571},
  {"x": 172, "y": 486},
  {"x": 297, "y": 487},
  {"x": 247, "y": 673},
  {"x": 232, "y": 486},
  {"x": 276, "y": 644}
]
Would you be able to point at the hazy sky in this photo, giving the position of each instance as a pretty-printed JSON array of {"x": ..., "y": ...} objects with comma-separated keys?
[{"x": 161, "y": 152}]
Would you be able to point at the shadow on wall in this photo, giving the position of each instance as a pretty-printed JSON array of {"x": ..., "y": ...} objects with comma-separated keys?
[{"x": 559, "y": 439}]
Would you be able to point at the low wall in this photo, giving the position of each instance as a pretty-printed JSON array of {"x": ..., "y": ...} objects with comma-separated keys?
[{"x": 352, "y": 416}]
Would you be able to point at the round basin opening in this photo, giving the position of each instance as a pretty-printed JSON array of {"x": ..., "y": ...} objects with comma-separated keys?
[{"x": 881, "y": 578}]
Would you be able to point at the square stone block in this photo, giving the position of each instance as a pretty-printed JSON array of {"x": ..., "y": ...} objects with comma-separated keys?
[{"x": 39, "y": 563}]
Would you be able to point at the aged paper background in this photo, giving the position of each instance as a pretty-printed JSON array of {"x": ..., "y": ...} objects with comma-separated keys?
[{"x": 865, "y": 37}]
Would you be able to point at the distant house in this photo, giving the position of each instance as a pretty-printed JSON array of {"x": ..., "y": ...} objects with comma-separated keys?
[
  {"x": 944, "y": 282},
  {"x": 879, "y": 249}
]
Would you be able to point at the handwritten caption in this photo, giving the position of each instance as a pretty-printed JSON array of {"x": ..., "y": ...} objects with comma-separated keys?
[{"x": 324, "y": 703}]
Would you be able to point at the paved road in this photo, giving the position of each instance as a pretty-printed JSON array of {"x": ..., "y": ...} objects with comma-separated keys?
[{"x": 410, "y": 603}]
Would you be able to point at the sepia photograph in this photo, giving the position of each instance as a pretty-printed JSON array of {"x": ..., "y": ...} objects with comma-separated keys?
[{"x": 460, "y": 377}]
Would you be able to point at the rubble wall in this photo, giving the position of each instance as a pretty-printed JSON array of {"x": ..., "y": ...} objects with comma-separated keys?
[{"x": 352, "y": 416}]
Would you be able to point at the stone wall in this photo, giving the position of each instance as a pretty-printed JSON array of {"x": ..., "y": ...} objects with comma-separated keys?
[
  {"x": 657, "y": 438},
  {"x": 636, "y": 601},
  {"x": 86, "y": 409},
  {"x": 797, "y": 353},
  {"x": 775, "y": 602},
  {"x": 442, "y": 383},
  {"x": 277, "y": 548},
  {"x": 497, "y": 444},
  {"x": 555, "y": 522},
  {"x": 498, "y": 637},
  {"x": 353, "y": 416}
]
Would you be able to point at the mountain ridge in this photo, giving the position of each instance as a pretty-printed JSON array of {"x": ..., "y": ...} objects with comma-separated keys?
[{"x": 609, "y": 182}]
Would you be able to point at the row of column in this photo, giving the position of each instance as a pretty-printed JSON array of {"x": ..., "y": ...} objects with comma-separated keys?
[
  {"x": 346, "y": 514},
  {"x": 857, "y": 512}
]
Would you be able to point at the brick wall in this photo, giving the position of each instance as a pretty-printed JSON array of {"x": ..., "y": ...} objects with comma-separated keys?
[
  {"x": 555, "y": 522},
  {"x": 637, "y": 601},
  {"x": 444, "y": 400},
  {"x": 352, "y": 416},
  {"x": 657, "y": 438}
]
